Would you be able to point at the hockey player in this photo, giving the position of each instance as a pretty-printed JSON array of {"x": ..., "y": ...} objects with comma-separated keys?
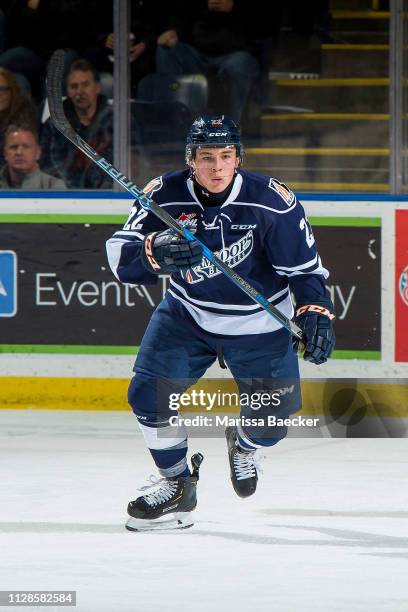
[{"x": 256, "y": 225}]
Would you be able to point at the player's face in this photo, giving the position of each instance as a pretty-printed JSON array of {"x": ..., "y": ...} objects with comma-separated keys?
[
  {"x": 22, "y": 151},
  {"x": 214, "y": 168},
  {"x": 83, "y": 89}
]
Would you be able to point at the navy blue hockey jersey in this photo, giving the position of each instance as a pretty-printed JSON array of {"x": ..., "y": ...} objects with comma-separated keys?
[{"x": 261, "y": 230}]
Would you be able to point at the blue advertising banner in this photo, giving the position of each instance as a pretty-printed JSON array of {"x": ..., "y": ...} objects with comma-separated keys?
[{"x": 8, "y": 284}]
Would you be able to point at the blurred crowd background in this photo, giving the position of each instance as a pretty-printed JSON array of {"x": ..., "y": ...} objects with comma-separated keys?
[{"x": 185, "y": 58}]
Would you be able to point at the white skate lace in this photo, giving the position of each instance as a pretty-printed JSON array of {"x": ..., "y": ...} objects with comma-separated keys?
[
  {"x": 165, "y": 489},
  {"x": 246, "y": 465}
]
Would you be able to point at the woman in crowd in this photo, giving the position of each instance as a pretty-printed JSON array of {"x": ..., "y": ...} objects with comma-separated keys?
[{"x": 15, "y": 105}]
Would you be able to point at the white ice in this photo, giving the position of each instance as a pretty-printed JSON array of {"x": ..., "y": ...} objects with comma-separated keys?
[{"x": 325, "y": 532}]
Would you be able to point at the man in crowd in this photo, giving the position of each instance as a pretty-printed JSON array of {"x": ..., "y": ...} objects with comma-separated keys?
[
  {"x": 91, "y": 117},
  {"x": 22, "y": 153}
]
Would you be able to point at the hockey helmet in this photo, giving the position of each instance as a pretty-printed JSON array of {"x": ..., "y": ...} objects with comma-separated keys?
[{"x": 213, "y": 131}]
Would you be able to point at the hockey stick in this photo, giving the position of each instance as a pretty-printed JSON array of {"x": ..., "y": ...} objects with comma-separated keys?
[{"x": 54, "y": 94}]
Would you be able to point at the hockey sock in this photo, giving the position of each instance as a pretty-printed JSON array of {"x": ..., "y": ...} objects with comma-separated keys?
[
  {"x": 245, "y": 443},
  {"x": 184, "y": 474},
  {"x": 171, "y": 462}
]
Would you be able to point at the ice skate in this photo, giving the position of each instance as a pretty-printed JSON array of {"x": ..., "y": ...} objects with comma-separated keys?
[
  {"x": 244, "y": 476},
  {"x": 168, "y": 505}
]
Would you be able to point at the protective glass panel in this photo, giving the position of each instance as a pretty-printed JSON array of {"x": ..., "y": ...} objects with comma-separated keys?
[{"x": 310, "y": 89}]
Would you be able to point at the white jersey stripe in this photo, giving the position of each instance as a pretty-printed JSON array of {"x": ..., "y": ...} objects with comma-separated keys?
[
  {"x": 232, "y": 325},
  {"x": 225, "y": 306},
  {"x": 269, "y": 208},
  {"x": 114, "y": 251},
  {"x": 308, "y": 264}
]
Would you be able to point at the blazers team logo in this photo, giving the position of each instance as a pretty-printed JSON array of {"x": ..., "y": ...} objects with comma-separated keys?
[
  {"x": 280, "y": 188},
  {"x": 231, "y": 255},
  {"x": 403, "y": 285},
  {"x": 153, "y": 185}
]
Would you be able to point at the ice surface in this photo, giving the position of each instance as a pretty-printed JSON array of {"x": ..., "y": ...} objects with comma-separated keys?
[{"x": 325, "y": 532}]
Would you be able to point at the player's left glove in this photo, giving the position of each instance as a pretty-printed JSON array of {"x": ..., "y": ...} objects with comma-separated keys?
[{"x": 316, "y": 322}]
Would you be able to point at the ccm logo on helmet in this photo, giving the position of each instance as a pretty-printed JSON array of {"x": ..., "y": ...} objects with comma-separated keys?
[{"x": 218, "y": 134}]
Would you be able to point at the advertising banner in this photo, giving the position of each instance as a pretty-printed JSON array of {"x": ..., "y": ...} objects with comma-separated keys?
[
  {"x": 67, "y": 294},
  {"x": 58, "y": 294},
  {"x": 350, "y": 248},
  {"x": 401, "y": 285},
  {"x": 8, "y": 284}
]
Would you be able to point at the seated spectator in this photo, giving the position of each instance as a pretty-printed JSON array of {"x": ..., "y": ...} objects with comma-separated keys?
[
  {"x": 91, "y": 117},
  {"x": 214, "y": 35},
  {"x": 22, "y": 153},
  {"x": 148, "y": 19},
  {"x": 15, "y": 105}
]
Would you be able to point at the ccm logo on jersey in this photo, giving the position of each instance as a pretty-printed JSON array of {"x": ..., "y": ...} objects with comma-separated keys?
[
  {"x": 218, "y": 134},
  {"x": 243, "y": 227}
]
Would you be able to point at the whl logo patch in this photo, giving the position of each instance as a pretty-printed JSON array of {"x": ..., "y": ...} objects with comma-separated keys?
[
  {"x": 188, "y": 220},
  {"x": 231, "y": 255},
  {"x": 8, "y": 283}
]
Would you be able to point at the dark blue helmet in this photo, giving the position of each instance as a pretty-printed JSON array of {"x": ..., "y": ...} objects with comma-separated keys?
[{"x": 213, "y": 131}]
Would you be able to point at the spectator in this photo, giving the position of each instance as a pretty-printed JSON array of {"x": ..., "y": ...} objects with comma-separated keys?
[
  {"x": 35, "y": 28},
  {"x": 91, "y": 117},
  {"x": 22, "y": 152},
  {"x": 149, "y": 18},
  {"x": 214, "y": 35},
  {"x": 15, "y": 106}
]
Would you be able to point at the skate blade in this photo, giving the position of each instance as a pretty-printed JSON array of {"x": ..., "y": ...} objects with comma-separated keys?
[{"x": 177, "y": 520}]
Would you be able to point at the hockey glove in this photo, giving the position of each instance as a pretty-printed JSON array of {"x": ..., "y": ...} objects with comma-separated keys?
[
  {"x": 168, "y": 252},
  {"x": 316, "y": 322}
]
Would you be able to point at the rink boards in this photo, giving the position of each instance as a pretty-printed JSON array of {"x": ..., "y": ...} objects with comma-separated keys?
[{"x": 69, "y": 331}]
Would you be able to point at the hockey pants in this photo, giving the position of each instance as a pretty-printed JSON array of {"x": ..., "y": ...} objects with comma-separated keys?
[{"x": 175, "y": 353}]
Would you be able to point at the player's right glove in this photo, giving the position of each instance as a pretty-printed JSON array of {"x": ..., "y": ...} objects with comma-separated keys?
[
  {"x": 316, "y": 322},
  {"x": 168, "y": 252}
]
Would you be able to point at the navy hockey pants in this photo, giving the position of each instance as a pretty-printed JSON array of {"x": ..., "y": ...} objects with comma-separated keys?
[{"x": 175, "y": 353}]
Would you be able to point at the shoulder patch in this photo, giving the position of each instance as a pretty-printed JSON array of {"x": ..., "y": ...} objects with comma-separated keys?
[
  {"x": 285, "y": 193},
  {"x": 153, "y": 185}
]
